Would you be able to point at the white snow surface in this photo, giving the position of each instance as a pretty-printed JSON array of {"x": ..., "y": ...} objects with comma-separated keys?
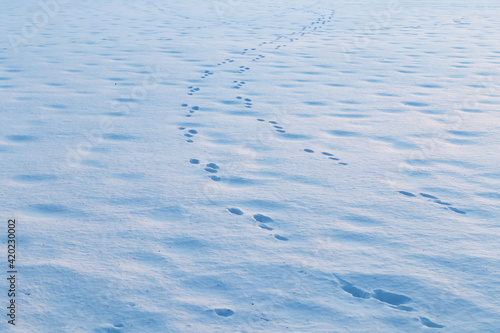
[{"x": 335, "y": 167}]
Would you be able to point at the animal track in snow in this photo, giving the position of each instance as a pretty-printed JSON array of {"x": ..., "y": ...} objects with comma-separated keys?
[
  {"x": 192, "y": 110},
  {"x": 393, "y": 300},
  {"x": 238, "y": 84},
  {"x": 246, "y": 50},
  {"x": 390, "y": 298},
  {"x": 427, "y": 322},
  {"x": 212, "y": 168},
  {"x": 262, "y": 218},
  {"x": 275, "y": 125},
  {"x": 260, "y": 56},
  {"x": 225, "y": 61},
  {"x": 329, "y": 155},
  {"x": 247, "y": 101},
  {"x": 257, "y": 217},
  {"x": 354, "y": 291},
  {"x": 281, "y": 238},
  {"x": 224, "y": 312},
  {"x": 193, "y": 90},
  {"x": 435, "y": 200},
  {"x": 243, "y": 69},
  {"x": 235, "y": 211},
  {"x": 207, "y": 73},
  {"x": 188, "y": 133}
]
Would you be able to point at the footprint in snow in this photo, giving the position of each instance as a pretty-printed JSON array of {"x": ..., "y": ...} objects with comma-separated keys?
[
  {"x": 213, "y": 166},
  {"x": 193, "y": 90},
  {"x": 192, "y": 110},
  {"x": 243, "y": 69},
  {"x": 211, "y": 170},
  {"x": 263, "y": 219},
  {"x": 238, "y": 85},
  {"x": 225, "y": 62},
  {"x": 235, "y": 211},
  {"x": 425, "y": 195},
  {"x": 457, "y": 210},
  {"x": 281, "y": 238},
  {"x": 224, "y": 312},
  {"x": 390, "y": 298},
  {"x": 189, "y": 133},
  {"x": 207, "y": 73},
  {"x": 354, "y": 291},
  {"x": 331, "y": 156},
  {"x": 247, "y": 101}
]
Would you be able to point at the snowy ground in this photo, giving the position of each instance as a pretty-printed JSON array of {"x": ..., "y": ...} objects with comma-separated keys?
[{"x": 252, "y": 166}]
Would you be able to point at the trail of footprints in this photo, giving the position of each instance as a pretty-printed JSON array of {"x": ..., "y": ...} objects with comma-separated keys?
[
  {"x": 266, "y": 223},
  {"x": 262, "y": 222},
  {"x": 280, "y": 129},
  {"x": 236, "y": 84},
  {"x": 315, "y": 25},
  {"x": 434, "y": 199},
  {"x": 225, "y": 61},
  {"x": 327, "y": 154},
  {"x": 275, "y": 125},
  {"x": 318, "y": 24},
  {"x": 213, "y": 169},
  {"x": 393, "y": 300}
]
